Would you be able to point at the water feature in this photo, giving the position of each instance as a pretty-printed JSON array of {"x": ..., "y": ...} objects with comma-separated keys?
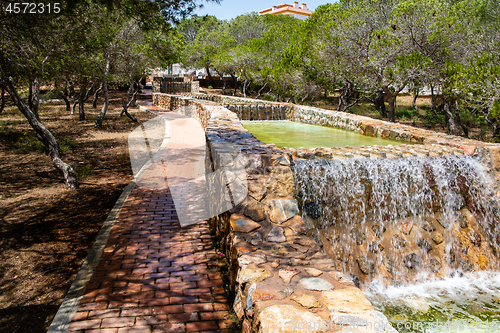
[
  {"x": 295, "y": 135},
  {"x": 416, "y": 232}
]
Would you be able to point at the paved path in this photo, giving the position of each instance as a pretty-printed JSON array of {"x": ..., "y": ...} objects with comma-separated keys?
[{"x": 154, "y": 276}]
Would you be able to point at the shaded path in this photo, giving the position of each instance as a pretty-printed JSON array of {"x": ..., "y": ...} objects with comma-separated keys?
[{"x": 154, "y": 276}]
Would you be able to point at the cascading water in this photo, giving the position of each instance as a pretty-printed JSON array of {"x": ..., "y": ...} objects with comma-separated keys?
[{"x": 409, "y": 229}]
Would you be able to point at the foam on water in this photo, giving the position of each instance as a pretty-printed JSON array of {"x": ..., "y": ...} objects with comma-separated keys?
[{"x": 466, "y": 303}]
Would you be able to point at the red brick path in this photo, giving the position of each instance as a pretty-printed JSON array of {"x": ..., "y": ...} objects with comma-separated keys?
[{"x": 153, "y": 275}]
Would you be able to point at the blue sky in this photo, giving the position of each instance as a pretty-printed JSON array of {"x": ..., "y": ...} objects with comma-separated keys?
[{"x": 228, "y": 9}]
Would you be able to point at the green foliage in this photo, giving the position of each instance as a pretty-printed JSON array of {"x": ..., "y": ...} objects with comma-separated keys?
[
  {"x": 21, "y": 143},
  {"x": 430, "y": 120},
  {"x": 82, "y": 173},
  {"x": 270, "y": 98},
  {"x": 406, "y": 113},
  {"x": 66, "y": 144}
]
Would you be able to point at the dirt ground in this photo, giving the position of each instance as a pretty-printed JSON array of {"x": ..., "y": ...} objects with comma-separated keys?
[{"x": 46, "y": 230}]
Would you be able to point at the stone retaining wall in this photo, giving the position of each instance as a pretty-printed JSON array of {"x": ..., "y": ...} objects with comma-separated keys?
[{"x": 281, "y": 279}]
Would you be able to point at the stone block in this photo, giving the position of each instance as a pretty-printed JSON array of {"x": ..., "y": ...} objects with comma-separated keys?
[
  {"x": 243, "y": 225},
  {"x": 281, "y": 210},
  {"x": 347, "y": 300},
  {"x": 254, "y": 210},
  {"x": 285, "y": 318},
  {"x": 248, "y": 274}
]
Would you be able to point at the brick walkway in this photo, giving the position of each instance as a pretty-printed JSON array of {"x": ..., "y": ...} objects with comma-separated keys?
[{"x": 154, "y": 276}]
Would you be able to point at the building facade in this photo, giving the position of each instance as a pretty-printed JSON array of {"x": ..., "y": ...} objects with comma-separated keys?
[{"x": 300, "y": 12}]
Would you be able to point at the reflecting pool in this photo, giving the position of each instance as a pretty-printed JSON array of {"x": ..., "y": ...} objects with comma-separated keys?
[{"x": 295, "y": 135}]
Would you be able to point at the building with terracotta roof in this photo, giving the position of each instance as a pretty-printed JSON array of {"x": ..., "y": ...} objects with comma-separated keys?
[{"x": 300, "y": 12}]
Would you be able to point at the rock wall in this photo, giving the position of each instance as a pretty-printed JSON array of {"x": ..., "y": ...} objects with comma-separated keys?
[{"x": 281, "y": 279}]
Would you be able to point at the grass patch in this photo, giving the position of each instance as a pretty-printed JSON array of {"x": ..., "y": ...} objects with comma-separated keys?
[
  {"x": 405, "y": 114},
  {"x": 26, "y": 142},
  {"x": 66, "y": 144},
  {"x": 269, "y": 98},
  {"x": 83, "y": 172},
  {"x": 430, "y": 120}
]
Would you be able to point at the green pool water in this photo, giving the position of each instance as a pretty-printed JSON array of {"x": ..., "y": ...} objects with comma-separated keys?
[{"x": 295, "y": 135}]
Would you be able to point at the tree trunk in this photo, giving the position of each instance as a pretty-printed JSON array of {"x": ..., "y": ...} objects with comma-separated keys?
[
  {"x": 63, "y": 94},
  {"x": 450, "y": 119},
  {"x": 496, "y": 130},
  {"x": 135, "y": 88},
  {"x": 221, "y": 75},
  {"x": 348, "y": 106},
  {"x": 71, "y": 88},
  {"x": 459, "y": 120},
  {"x": 96, "y": 96},
  {"x": 341, "y": 101},
  {"x": 2, "y": 104},
  {"x": 391, "y": 101},
  {"x": 34, "y": 96},
  {"x": 433, "y": 99},
  {"x": 235, "y": 82},
  {"x": 493, "y": 123},
  {"x": 260, "y": 90},
  {"x": 75, "y": 103},
  {"x": 380, "y": 104},
  {"x": 43, "y": 135},
  {"x": 81, "y": 99},
  {"x": 210, "y": 80},
  {"x": 223, "y": 85},
  {"x": 415, "y": 96},
  {"x": 100, "y": 117},
  {"x": 245, "y": 88}
]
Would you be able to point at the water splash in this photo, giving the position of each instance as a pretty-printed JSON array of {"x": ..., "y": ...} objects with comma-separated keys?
[{"x": 467, "y": 303}]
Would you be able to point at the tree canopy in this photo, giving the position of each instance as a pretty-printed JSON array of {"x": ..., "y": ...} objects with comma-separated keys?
[
  {"x": 89, "y": 42},
  {"x": 365, "y": 49}
]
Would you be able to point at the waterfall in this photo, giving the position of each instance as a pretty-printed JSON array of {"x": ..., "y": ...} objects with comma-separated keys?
[{"x": 401, "y": 220}]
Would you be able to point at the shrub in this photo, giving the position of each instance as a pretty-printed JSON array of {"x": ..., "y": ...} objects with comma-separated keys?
[{"x": 406, "y": 113}]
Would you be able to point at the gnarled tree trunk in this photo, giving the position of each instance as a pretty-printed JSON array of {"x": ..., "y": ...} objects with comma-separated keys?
[
  {"x": 260, "y": 90},
  {"x": 34, "y": 97},
  {"x": 2, "y": 104},
  {"x": 210, "y": 80},
  {"x": 379, "y": 102},
  {"x": 81, "y": 99},
  {"x": 433, "y": 99},
  {"x": 43, "y": 135},
  {"x": 414, "y": 102},
  {"x": 460, "y": 122},
  {"x": 235, "y": 82},
  {"x": 100, "y": 117},
  {"x": 450, "y": 119},
  {"x": 134, "y": 89},
  {"x": 63, "y": 94},
  {"x": 96, "y": 96},
  {"x": 245, "y": 88},
  {"x": 391, "y": 101}
]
